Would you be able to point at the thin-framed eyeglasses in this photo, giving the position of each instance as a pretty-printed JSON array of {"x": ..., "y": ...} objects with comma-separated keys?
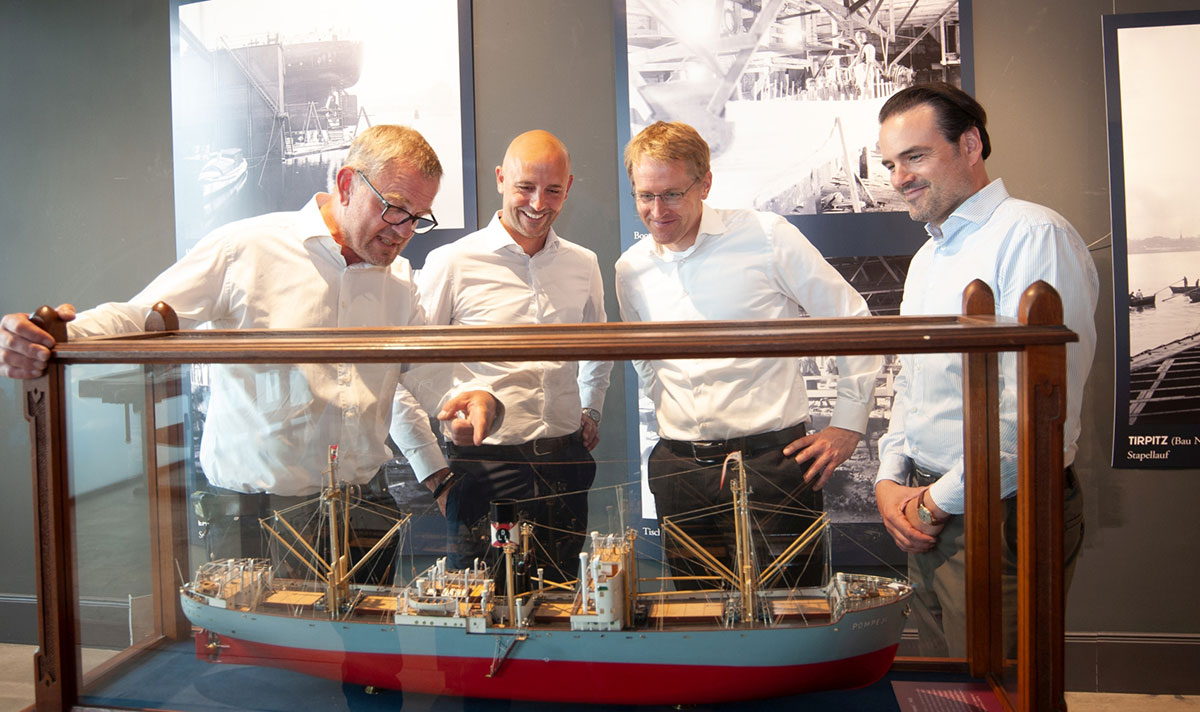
[
  {"x": 671, "y": 197},
  {"x": 396, "y": 215}
]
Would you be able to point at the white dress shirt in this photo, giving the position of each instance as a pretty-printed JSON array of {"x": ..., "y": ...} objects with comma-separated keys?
[
  {"x": 485, "y": 278},
  {"x": 743, "y": 265},
  {"x": 268, "y": 427},
  {"x": 1009, "y": 244}
]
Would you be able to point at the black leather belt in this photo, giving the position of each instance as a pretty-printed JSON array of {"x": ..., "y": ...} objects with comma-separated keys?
[
  {"x": 540, "y": 446},
  {"x": 748, "y": 444},
  {"x": 923, "y": 478}
]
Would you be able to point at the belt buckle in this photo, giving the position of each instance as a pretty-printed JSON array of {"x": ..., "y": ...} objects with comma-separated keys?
[
  {"x": 537, "y": 447},
  {"x": 702, "y": 451}
]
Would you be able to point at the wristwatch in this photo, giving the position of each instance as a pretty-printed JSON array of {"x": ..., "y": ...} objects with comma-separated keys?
[
  {"x": 924, "y": 513},
  {"x": 446, "y": 483},
  {"x": 593, "y": 414}
]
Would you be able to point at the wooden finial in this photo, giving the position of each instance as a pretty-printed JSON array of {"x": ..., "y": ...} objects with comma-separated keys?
[
  {"x": 978, "y": 299},
  {"x": 162, "y": 317},
  {"x": 1040, "y": 305},
  {"x": 48, "y": 320}
]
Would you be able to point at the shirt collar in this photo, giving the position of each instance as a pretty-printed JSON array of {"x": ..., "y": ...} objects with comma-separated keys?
[
  {"x": 311, "y": 226},
  {"x": 711, "y": 225},
  {"x": 497, "y": 239},
  {"x": 974, "y": 212}
]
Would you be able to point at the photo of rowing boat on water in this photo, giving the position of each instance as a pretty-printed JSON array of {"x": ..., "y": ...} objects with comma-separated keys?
[{"x": 1156, "y": 247}]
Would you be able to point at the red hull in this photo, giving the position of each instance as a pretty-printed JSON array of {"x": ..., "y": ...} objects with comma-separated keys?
[{"x": 556, "y": 680}]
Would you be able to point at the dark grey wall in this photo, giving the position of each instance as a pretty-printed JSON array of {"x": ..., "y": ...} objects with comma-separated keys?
[
  {"x": 546, "y": 64},
  {"x": 85, "y": 174},
  {"x": 1040, "y": 74},
  {"x": 87, "y": 212},
  {"x": 1045, "y": 94}
]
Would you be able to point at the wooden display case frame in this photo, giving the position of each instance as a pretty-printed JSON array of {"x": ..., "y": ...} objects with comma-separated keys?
[{"x": 1037, "y": 337}]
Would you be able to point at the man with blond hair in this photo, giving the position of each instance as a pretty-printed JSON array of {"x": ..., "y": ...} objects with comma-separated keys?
[
  {"x": 518, "y": 270},
  {"x": 333, "y": 263},
  {"x": 706, "y": 263}
]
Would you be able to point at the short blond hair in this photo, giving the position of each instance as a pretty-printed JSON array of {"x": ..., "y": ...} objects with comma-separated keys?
[
  {"x": 390, "y": 146},
  {"x": 674, "y": 141}
]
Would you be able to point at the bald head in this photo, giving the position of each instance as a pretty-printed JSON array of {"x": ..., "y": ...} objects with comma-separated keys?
[
  {"x": 534, "y": 182},
  {"x": 537, "y": 145}
]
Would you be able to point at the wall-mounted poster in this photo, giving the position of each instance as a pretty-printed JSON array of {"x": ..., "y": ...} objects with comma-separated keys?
[
  {"x": 1153, "y": 101},
  {"x": 268, "y": 94},
  {"x": 787, "y": 94}
]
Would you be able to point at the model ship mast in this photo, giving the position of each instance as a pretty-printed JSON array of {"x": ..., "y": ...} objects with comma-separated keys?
[
  {"x": 748, "y": 584},
  {"x": 337, "y": 572},
  {"x": 335, "y": 499},
  {"x": 745, "y": 581}
]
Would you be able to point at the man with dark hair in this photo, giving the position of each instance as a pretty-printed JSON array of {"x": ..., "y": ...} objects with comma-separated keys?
[
  {"x": 933, "y": 142},
  {"x": 955, "y": 111},
  {"x": 333, "y": 263},
  {"x": 698, "y": 263}
]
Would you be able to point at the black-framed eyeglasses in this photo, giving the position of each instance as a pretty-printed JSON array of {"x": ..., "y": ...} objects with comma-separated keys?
[
  {"x": 671, "y": 197},
  {"x": 396, "y": 215}
]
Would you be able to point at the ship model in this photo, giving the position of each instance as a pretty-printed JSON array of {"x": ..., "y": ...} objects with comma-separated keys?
[{"x": 509, "y": 634}]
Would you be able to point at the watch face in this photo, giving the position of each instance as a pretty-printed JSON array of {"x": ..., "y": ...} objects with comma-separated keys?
[{"x": 924, "y": 514}]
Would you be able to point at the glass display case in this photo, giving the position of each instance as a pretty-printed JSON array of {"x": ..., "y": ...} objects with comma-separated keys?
[{"x": 322, "y": 603}]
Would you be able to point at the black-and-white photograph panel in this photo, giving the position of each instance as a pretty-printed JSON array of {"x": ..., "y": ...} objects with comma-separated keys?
[
  {"x": 268, "y": 94},
  {"x": 787, "y": 95},
  {"x": 1153, "y": 102},
  {"x": 786, "y": 92}
]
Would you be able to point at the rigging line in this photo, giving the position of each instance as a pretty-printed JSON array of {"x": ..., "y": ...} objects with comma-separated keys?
[
  {"x": 594, "y": 489},
  {"x": 806, "y": 486},
  {"x": 784, "y": 509},
  {"x": 587, "y": 490},
  {"x": 718, "y": 508},
  {"x": 900, "y": 574},
  {"x": 810, "y": 547},
  {"x": 550, "y": 559},
  {"x": 1098, "y": 239},
  {"x": 488, "y": 460},
  {"x": 559, "y": 530}
]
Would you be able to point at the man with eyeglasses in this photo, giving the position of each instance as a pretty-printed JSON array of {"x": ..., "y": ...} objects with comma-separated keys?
[
  {"x": 333, "y": 263},
  {"x": 703, "y": 263},
  {"x": 518, "y": 270}
]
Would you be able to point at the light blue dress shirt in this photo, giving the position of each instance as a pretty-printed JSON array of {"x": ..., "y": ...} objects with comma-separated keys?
[{"x": 1009, "y": 244}]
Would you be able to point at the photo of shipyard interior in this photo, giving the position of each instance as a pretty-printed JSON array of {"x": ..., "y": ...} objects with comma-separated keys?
[{"x": 600, "y": 355}]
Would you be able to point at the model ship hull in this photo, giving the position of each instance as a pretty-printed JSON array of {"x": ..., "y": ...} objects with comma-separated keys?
[
  {"x": 643, "y": 666},
  {"x": 599, "y": 639}
]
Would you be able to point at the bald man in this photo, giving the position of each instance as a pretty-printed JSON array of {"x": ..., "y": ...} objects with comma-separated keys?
[{"x": 517, "y": 270}]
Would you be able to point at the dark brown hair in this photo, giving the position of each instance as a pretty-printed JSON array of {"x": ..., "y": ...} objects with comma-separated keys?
[{"x": 956, "y": 110}]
